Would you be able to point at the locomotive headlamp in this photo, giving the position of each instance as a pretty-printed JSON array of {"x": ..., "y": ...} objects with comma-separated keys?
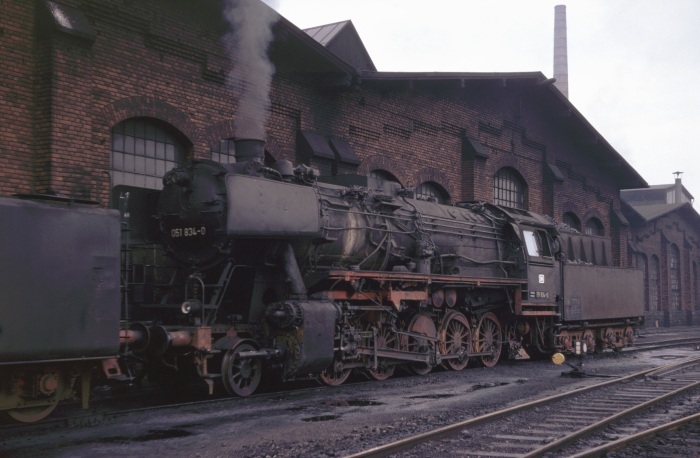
[{"x": 191, "y": 305}]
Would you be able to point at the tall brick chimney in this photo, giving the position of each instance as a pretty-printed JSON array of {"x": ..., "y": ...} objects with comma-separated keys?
[{"x": 561, "y": 65}]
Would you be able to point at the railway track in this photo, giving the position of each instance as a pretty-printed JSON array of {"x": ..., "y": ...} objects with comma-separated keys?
[
  {"x": 546, "y": 426},
  {"x": 641, "y": 345},
  {"x": 679, "y": 437},
  {"x": 103, "y": 414}
]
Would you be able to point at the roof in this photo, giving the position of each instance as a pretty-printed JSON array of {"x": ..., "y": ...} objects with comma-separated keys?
[
  {"x": 324, "y": 34},
  {"x": 342, "y": 38},
  {"x": 654, "y": 211}
]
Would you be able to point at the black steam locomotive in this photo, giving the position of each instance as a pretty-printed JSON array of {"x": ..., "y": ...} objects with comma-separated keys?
[
  {"x": 316, "y": 276},
  {"x": 276, "y": 270}
]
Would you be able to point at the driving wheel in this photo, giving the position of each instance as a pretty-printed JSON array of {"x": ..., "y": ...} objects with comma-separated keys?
[
  {"x": 454, "y": 337},
  {"x": 420, "y": 324},
  {"x": 386, "y": 338},
  {"x": 489, "y": 339}
]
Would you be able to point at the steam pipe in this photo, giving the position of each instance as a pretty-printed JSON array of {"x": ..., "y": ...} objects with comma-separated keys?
[{"x": 291, "y": 268}]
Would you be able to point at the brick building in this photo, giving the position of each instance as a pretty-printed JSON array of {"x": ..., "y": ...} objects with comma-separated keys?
[
  {"x": 665, "y": 243},
  {"x": 98, "y": 93}
]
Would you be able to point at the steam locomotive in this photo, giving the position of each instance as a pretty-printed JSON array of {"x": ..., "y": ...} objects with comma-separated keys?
[
  {"x": 312, "y": 276},
  {"x": 279, "y": 272}
]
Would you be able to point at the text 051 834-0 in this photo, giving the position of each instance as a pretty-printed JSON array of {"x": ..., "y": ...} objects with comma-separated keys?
[{"x": 187, "y": 231}]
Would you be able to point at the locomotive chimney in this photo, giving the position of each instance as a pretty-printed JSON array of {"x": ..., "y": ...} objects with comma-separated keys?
[
  {"x": 561, "y": 65},
  {"x": 250, "y": 149}
]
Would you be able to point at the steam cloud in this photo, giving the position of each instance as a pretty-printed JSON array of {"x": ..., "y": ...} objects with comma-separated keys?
[{"x": 247, "y": 43}]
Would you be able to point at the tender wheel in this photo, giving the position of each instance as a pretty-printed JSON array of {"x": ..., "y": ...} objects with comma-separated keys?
[
  {"x": 335, "y": 374},
  {"x": 30, "y": 414},
  {"x": 589, "y": 338},
  {"x": 420, "y": 324},
  {"x": 629, "y": 336},
  {"x": 610, "y": 338},
  {"x": 385, "y": 339},
  {"x": 241, "y": 377},
  {"x": 455, "y": 338},
  {"x": 489, "y": 339},
  {"x": 565, "y": 340}
]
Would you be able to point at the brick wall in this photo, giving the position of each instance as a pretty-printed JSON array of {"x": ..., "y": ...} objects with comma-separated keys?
[
  {"x": 164, "y": 59},
  {"x": 16, "y": 95},
  {"x": 655, "y": 239}
]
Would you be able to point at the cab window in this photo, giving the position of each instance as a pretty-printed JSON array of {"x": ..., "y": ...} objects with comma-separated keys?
[{"x": 537, "y": 243}]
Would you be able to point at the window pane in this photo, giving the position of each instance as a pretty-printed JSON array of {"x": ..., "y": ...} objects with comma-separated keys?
[
  {"x": 531, "y": 243},
  {"x": 128, "y": 163},
  {"x": 140, "y": 164},
  {"x": 118, "y": 161},
  {"x": 129, "y": 127},
  {"x": 117, "y": 142},
  {"x": 170, "y": 152},
  {"x": 139, "y": 130},
  {"x": 150, "y": 166},
  {"x": 129, "y": 179},
  {"x": 150, "y": 148},
  {"x": 160, "y": 150},
  {"x": 117, "y": 178}
]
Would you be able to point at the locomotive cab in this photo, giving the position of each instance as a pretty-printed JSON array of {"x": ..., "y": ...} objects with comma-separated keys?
[
  {"x": 543, "y": 272},
  {"x": 540, "y": 247}
]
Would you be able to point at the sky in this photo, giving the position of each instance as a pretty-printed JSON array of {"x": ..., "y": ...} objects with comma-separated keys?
[{"x": 634, "y": 65}]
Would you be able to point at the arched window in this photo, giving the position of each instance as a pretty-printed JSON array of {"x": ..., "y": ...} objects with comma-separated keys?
[
  {"x": 644, "y": 265},
  {"x": 594, "y": 227},
  {"x": 143, "y": 149},
  {"x": 383, "y": 175},
  {"x": 696, "y": 285},
  {"x": 654, "y": 285},
  {"x": 509, "y": 189},
  {"x": 572, "y": 221},
  {"x": 224, "y": 152},
  {"x": 432, "y": 192},
  {"x": 674, "y": 280}
]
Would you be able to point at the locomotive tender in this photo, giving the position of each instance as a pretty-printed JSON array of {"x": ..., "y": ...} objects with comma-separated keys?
[
  {"x": 277, "y": 271},
  {"x": 59, "y": 307}
]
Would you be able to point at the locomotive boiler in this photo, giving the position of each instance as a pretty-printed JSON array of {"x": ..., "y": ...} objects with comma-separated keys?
[{"x": 307, "y": 276}]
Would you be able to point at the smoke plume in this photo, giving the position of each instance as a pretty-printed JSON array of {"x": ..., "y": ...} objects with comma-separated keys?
[{"x": 247, "y": 42}]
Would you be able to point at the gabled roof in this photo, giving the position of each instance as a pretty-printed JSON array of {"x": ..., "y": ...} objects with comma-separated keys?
[
  {"x": 657, "y": 194},
  {"x": 343, "y": 40},
  {"x": 654, "y": 211}
]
